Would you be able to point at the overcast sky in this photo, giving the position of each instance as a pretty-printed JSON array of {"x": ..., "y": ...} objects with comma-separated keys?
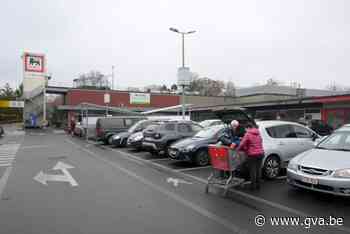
[{"x": 246, "y": 41}]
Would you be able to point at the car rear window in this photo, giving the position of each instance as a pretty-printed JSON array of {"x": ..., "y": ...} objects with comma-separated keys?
[
  {"x": 185, "y": 128},
  {"x": 169, "y": 127},
  {"x": 113, "y": 123}
]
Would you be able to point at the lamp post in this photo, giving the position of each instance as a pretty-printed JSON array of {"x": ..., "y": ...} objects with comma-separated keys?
[
  {"x": 112, "y": 77},
  {"x": 47, "y": 78},
  {"x": 183, "y": 63}
]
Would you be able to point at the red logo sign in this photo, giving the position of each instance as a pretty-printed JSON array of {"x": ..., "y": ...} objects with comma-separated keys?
[{"x": 34, "y": 63}]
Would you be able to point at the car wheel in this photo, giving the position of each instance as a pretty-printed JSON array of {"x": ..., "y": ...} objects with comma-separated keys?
[
  {"x": 272, "y": 167},
  {"x": 202, "y": 158},
  {"x": 110, "y": 140},
  {"x": 123, "y": 142}
]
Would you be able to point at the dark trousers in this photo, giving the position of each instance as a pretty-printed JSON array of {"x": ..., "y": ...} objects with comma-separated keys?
[{"x": 254, "y": 165}]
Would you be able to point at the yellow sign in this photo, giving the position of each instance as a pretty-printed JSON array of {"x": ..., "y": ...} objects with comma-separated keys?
[{"x": 11, "y": 104}]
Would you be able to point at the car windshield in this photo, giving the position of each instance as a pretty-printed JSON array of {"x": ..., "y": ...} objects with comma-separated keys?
[
  {"x": 135, "y": 126},
  {"x": 337, "y": 141},
  {"x": 209, "y": 132}
]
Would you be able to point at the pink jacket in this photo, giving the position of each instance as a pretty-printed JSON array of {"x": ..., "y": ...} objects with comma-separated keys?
[{"x": 252, "y": 143}]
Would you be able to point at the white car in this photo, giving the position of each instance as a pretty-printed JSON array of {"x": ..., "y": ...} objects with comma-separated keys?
[{"x": 282, "y": 141}]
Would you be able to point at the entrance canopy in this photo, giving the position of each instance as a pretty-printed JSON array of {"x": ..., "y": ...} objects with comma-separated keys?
[{"x": 93, "y": 107}]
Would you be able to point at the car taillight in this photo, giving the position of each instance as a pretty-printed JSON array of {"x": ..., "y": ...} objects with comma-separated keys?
[{"x": 98, "y": 131}]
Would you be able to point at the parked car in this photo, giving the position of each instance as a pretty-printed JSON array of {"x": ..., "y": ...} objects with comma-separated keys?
[
  {"x": 2, "y": 132},
  {"x": 282, "y": 141},
  {"x": 79, "y": 130},
  {"x": 120, "y": 139},
  {"x": 195, "y": 149},
  {"x": 321, "y": 128},
  {"x": 326, "y": 168},
  {"x": 159, "y": 139},
  {"x": 108, "y": 126},
  {"x": 210, "y": 122},
  {"x": 135, "y": 140}
]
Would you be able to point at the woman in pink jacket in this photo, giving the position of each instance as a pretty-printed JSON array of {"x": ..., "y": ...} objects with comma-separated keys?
[{"x": 252, "y": 145}]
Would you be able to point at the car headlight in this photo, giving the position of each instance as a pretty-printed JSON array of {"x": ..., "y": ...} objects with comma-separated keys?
[
  {"x": 343, "y": 173},
  {"x": 189, "y": 148},
  {"x": 292, "y": 166},
  {"x": 116, "y": 137},
  {"x": 138, "y": 138}
]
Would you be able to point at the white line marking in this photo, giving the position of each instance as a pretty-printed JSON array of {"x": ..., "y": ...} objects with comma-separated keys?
[
  {"x": 188, "y": 204},
  {"x": 6, "y": 161},
  {"x": 34, "y": 146},
  {"x": 192, "y": 169},
  {"x": 3, "y": 180},
  {"x": 42, "y": 177},
  {"x": 159, "y": 159},
  {"x": 5, "y": 165}
]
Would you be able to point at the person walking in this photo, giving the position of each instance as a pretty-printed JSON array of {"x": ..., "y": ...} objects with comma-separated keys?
[
  {"x": 72, "y": 125},
  {"x": 252, "y": 145}
]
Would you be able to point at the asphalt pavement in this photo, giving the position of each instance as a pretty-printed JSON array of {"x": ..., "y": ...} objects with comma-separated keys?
[{"x": 51, "y": 182}]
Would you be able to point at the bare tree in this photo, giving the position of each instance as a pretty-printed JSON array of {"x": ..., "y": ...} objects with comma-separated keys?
[
  {"x": 174, "y": 87},
  {"x": 7, "y": 91},
  {"x": 207, "y": 87},
  {"x": 230, "y": 89},
  {"x": 333, "y": 86},
  {"x": 92, "y": 79}
]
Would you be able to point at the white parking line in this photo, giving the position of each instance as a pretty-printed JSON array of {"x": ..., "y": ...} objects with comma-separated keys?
[
  {"x": 34, "y": 146},
  {"x": 159, "y": 159},
  {"x": 3, "y": 180},
  {"x": 192, "y": 168}
]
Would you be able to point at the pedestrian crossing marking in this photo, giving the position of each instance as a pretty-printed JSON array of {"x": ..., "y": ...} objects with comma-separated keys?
[{"x": 8, "y": 154}]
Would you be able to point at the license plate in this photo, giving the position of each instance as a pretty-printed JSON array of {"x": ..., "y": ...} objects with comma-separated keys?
[{"x": 309, "y": 180}]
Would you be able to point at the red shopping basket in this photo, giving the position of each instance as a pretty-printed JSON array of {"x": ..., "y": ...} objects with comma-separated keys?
[{"x": 220, "y": 157}]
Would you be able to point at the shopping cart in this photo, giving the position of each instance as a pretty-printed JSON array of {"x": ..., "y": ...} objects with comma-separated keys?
[{"x": 224, "y": 161}]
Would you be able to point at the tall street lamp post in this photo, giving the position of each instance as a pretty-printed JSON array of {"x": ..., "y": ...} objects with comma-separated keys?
[{"x": 183, "y": 63}]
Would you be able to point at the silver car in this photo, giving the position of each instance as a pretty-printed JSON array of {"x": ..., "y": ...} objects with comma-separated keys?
[
  {"x": 326, "y": 168},
  {"x": 282, "y": 141}
]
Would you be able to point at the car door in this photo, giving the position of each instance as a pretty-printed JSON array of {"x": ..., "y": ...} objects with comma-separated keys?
[
  {"x": 284, "y": 140},
  {"x": 304, "y": 139},
  {"x": 184, "y": 130}
]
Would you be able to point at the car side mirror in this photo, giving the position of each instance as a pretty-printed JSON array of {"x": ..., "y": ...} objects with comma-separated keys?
[{"x": 314, "y": 137}]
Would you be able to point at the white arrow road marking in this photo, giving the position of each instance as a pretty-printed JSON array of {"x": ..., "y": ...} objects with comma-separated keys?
[
  {"x": 42, "y": 177},
  {"x": 176, "y": 182}
]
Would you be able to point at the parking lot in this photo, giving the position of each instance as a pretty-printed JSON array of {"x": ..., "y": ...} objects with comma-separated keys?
[
  {"x": 274, "y": 193},
  {"x": 114, "y": 188}
]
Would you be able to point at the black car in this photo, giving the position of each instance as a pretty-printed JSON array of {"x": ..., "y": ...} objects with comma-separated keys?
[
  {"x": 159, "y": 139},
  {"x": 120, "y": 139},
  {"x": 108, "y": 126},
  {"x": 1, "y": 131},
  {"x": 195, "y": 149}
]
